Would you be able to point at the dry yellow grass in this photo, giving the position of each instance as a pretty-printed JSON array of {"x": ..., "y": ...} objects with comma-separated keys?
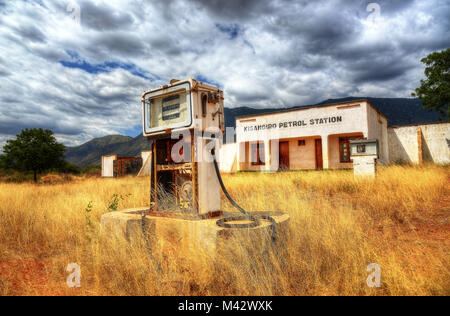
[{"x": 338, "y": 226}]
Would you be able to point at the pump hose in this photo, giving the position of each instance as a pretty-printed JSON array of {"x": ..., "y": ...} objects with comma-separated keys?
[{"x": 224, "y": 222}]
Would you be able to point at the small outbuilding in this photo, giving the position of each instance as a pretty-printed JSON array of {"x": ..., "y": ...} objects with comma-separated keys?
[{"x": 114, "y": 166}]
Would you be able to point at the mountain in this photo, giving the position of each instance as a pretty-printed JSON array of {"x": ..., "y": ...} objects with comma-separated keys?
[
  {"x": 91, "y": 152},
  {"x": 399, "y": 111}
]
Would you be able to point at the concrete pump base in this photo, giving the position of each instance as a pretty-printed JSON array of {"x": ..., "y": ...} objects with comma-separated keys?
[{"x": 191, "y": 233}]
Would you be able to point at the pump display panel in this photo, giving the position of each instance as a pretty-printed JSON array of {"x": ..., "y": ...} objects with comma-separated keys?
[{"x": 169, "y": 108}]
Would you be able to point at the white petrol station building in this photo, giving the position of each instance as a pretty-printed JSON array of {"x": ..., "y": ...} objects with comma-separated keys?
[{"x": 318, "y": 137}]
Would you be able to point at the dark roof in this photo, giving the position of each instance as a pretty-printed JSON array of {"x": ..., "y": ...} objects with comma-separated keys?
[{"x": 418, "y": 124}]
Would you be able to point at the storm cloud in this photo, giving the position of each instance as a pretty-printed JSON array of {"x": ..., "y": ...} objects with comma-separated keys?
[{"x": 84, "y": 80}]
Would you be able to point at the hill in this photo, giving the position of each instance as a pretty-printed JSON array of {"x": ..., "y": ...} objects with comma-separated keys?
[
  {"x": 91, "y": 152},
  {"x": 399, "y": 111}
]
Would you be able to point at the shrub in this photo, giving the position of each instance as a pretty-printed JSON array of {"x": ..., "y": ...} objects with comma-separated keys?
[{"x": 70, "y": 168}]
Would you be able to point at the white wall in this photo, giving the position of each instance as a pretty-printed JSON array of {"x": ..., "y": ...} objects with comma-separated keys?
[
  {"x": 228, "y": 158},
  {"x": 436, "y": 143},
  {"x": 378, "y": 129},
  {"x": 108, "y": 166},
  {"x": 404, "y": 145},
  {"x": 145, "y": 155},
  {"x": 146, "y": 164}
]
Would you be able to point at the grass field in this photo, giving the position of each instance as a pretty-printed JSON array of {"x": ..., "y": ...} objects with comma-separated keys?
[{"x": 338, "y": 226}]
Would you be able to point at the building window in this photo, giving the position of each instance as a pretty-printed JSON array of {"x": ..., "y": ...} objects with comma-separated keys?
[
  {"x": 344, "y": 148},
  {"x": 257, "y": 157},
  {"x": 302, "y": 142}
]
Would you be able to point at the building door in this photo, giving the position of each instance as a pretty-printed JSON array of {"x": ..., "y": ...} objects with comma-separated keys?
[
  {"x": 319, "y": 157},
  {"x": 284, "y": 156}
]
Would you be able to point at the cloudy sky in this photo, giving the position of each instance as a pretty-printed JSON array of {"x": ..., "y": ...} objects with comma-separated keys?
[{"x": 79, "y": 67}]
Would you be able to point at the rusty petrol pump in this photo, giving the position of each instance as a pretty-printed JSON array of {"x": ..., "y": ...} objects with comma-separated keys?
[{"x": 184, "y": 122}]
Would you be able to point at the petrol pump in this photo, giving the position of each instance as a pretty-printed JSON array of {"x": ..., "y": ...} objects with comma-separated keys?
[{"x": 184, "y": 122}]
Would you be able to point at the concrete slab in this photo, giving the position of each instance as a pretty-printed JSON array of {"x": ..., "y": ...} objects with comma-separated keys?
[{"x": 190, "y": 234}]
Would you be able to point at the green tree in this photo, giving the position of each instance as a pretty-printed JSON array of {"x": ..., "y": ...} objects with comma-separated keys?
[
  {"x": 34, "y": 150},
  {"x": 2, "y": 162},
  {"x": 435, "y": 90}
]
